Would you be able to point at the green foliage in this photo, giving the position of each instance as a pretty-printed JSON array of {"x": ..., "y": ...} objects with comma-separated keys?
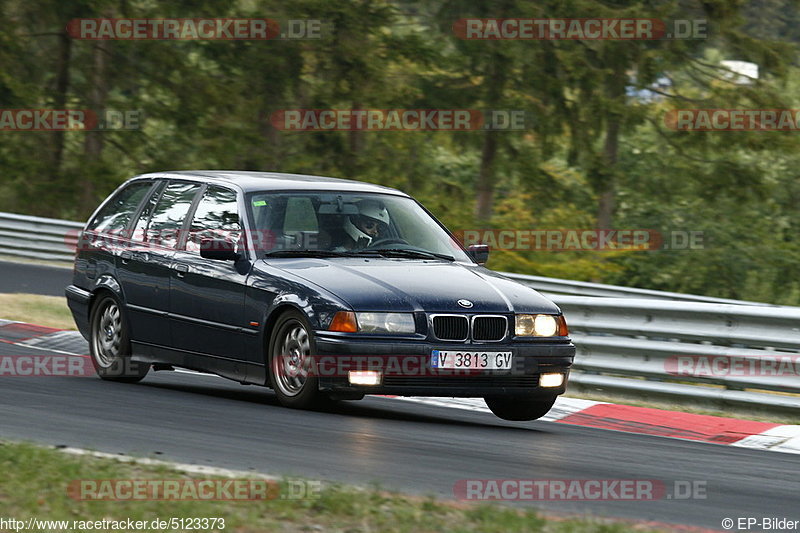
[{"x": 207, "y": 104}]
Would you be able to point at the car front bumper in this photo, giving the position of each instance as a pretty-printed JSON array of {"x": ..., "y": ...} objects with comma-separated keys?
[{"x": 406, "y": 368}]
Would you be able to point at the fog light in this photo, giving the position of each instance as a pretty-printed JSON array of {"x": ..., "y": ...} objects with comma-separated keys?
[
  {"x": 365, "y": 377},
  {"x": 551, "y": 380}
]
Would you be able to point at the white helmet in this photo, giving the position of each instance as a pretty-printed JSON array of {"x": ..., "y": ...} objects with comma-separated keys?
[
  {"x": 366, "y": 208},
  {"x": 373, "y": 209}
]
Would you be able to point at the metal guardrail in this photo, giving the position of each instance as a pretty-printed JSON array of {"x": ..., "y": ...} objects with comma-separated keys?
[
  {"x": 552, "y": 286},
  {"x": 38, "y": 238},
  {"x": 688, "y": 352},
  {"x": 630, "y": 341}
]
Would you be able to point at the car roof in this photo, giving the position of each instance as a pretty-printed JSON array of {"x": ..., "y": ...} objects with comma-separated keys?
[{"x": 250, "y": 181}]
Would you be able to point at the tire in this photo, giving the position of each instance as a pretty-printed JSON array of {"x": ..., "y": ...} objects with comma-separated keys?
[
  {"x": 110, "y": 344},
  {"x": 519, "y": 408},
  {"x": 290, "y": 346}
]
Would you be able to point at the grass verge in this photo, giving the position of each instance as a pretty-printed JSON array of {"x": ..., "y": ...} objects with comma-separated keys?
[
  {"x": 35, "y": 481},
  {"x": 50, "y": 311},
  {"x": 67, "y": 265}
]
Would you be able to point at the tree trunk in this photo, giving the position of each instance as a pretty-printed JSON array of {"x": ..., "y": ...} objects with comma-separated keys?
[
  {"x": 485, "y": 185},
  {"x": 269, "y": 156},
  {"x": 605, "y": 210},
  {"x": 355, "y": 141},
  {"x": 496, "y": 81},
  {"x": 615, "y": 91},
  {"x": 98, "y": 93},
  {"x": 60, "y": 102}
]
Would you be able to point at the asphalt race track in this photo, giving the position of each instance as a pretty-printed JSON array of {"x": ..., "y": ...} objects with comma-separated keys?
[
  {"x": 401, "y": 445},
  {"x": 33, "y": 279}
]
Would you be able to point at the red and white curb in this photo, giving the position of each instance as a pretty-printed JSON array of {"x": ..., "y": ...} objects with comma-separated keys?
[
  {"x": 648, "y": 421},
  {"x": 573, "y": 411}
]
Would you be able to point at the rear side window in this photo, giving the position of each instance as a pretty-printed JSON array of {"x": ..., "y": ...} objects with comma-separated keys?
[
  {"x": 167, "y": 218},
  {"x": 217, "y": 217},
  {"x": 140, "y": 228},
  {"x": 117, "y": 213}
]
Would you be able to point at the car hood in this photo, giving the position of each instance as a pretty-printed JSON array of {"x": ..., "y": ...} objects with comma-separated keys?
[{"x": 378, "y": 284}]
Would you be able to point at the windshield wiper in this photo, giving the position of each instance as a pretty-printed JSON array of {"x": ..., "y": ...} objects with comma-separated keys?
[
  {"x": 304, "y": 253},
  {"x": 413, "y": 254},
  {"x": 381, "y": 252}
]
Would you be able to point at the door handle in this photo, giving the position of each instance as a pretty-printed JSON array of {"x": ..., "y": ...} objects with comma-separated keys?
[
  {"x": 125, "y": 257},
  {"x": 182, "y": 269}
]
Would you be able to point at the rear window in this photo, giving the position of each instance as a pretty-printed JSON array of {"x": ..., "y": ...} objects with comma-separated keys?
[{"x": 117, "y": 213}]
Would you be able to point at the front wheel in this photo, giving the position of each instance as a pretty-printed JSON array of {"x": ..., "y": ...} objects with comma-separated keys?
[
  {"x": 110, "y": 345},
  {"x": 519, "y": 408},
  {"x": 291, "y": 363}
]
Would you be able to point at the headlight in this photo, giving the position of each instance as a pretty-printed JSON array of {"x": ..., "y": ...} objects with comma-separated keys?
[
  {"x": 386, "y": 322},
  {"x": 540, "y": 326}
]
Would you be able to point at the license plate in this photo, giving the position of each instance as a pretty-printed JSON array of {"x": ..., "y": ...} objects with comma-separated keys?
[{"x": 474, "y": 360}]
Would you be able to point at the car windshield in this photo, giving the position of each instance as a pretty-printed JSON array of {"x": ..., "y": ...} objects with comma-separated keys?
[{"x": 331, "y": 224}]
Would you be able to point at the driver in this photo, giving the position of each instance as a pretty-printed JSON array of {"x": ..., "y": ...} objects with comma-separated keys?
[{"x": 370, "y": 224}]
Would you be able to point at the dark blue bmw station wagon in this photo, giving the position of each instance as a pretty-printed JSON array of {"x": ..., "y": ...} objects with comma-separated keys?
[{"x": 323, "y": 289}]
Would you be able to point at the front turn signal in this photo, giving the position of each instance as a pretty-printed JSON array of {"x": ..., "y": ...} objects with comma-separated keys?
[
  {"x": 344, "y": 321},
  {"x": 563, "y": 330}
]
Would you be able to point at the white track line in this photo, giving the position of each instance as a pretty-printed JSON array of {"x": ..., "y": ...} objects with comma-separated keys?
[
  {"x": 182, "y": 467},
  {"x": 784, "y": 439}
]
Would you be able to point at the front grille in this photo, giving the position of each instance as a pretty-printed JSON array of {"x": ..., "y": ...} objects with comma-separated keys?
[
  {"x": 489, "y": 328},
  {"x": 451, "y": 327},
  {"x": 530, "y": 381}
]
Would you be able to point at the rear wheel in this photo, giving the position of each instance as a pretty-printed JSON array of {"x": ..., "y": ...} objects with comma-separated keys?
[
  {"x": 291, "y": 363},
  {"x": 110, "y": 345},
  {"x": 520, "y": 408}
]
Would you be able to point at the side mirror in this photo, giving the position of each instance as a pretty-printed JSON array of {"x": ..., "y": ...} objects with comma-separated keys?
[
  {"x": 479, "y": 253},
  {"x": 219, "y": 250}
]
